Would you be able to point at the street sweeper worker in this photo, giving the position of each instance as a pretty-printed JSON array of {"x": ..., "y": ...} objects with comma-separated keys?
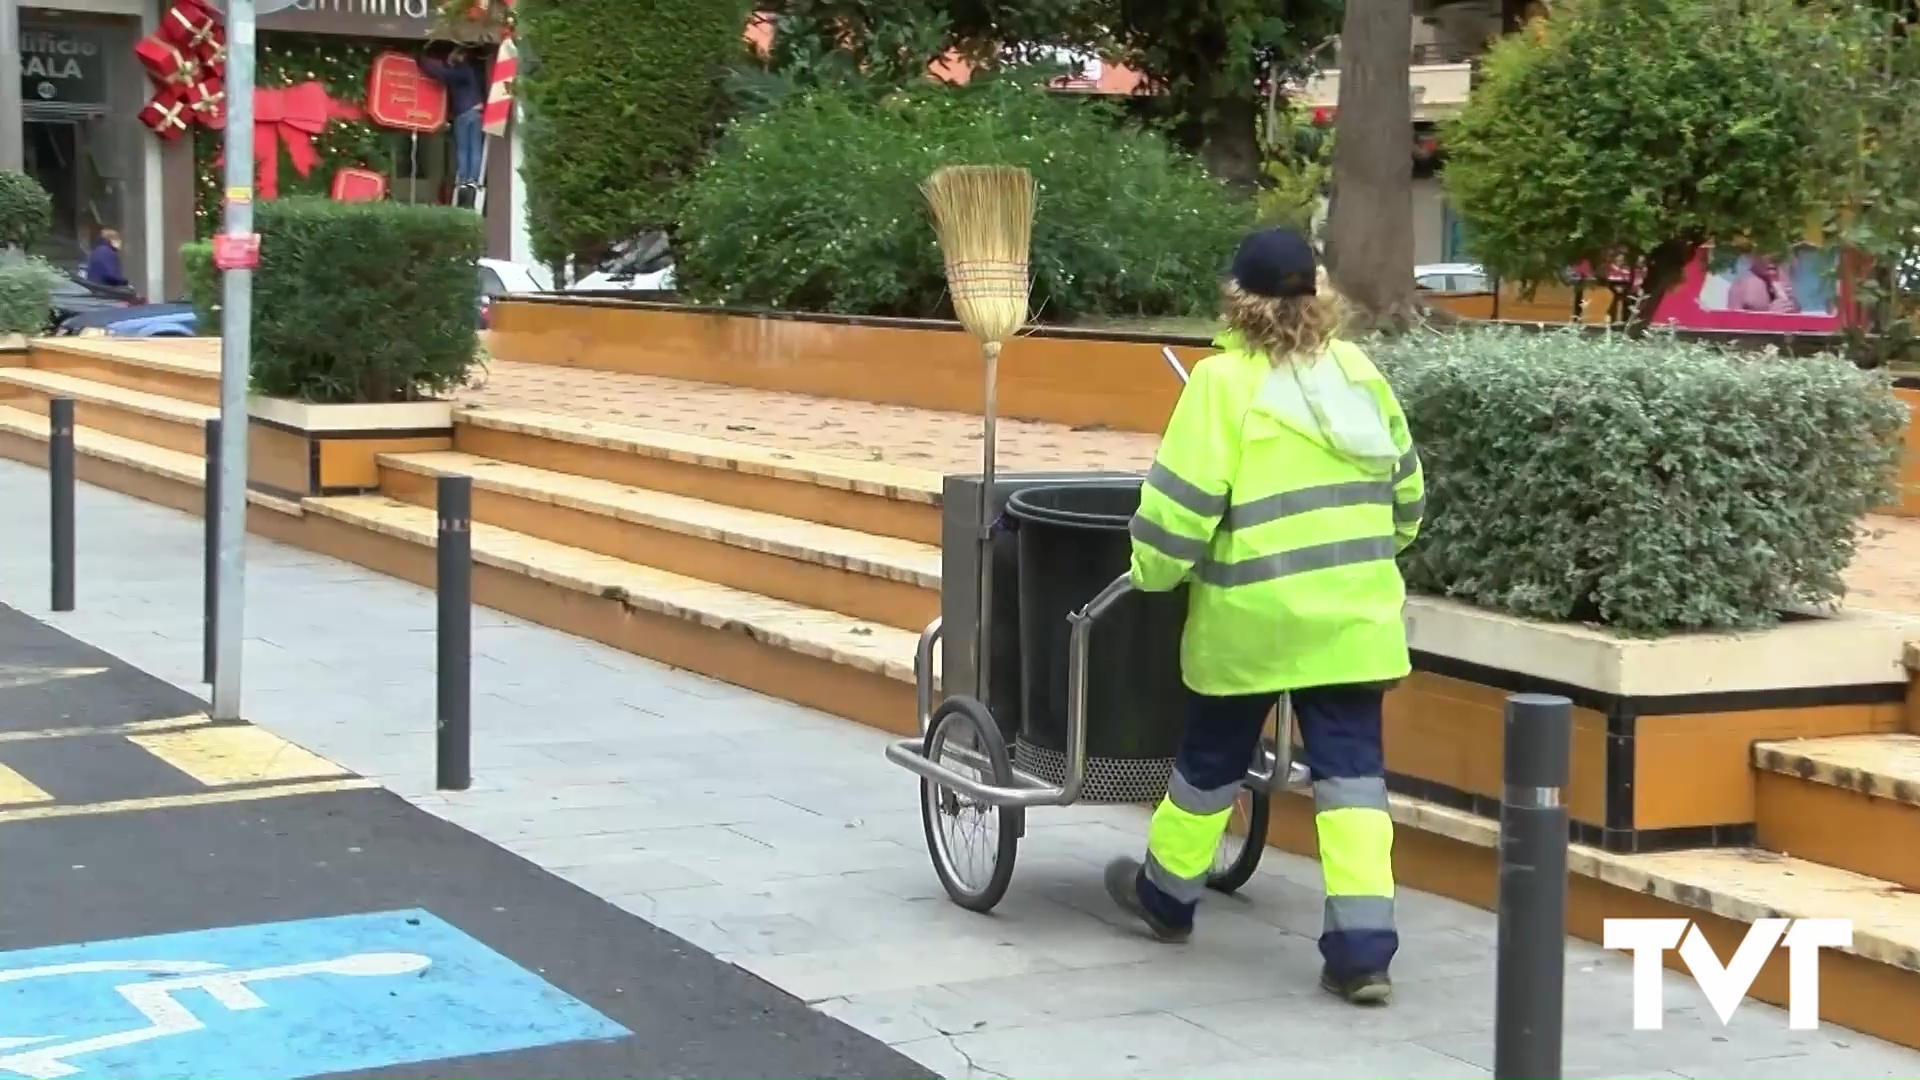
[{"x": 1283, "y": 489}]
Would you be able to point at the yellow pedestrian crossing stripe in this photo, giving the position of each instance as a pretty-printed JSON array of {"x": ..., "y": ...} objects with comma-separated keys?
[
  {"x": 230, "y": 762},
  {"x": 17, "y": 790},
  {"x": 225, "y": 756}
]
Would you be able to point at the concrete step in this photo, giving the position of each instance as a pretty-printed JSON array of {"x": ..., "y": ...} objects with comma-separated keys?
[
  {"x": 187, "y": 369},
  {"x": 166, "y": 422},
  {"x": 136, "y": 468},
  {"x": 855, "y": 668},
  {"x": 876, "y": 578},
  {"x": 1873, "y": 986},
  {"x": 1851, "y": 801},
  {"x": 868, "y": 497}
]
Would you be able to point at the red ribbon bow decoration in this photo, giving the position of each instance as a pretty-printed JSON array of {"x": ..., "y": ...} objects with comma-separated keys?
[{"x": 293, "y": 115}]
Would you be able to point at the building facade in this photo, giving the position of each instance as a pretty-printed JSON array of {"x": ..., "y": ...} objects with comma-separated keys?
[{"x": 81, "y": 89}]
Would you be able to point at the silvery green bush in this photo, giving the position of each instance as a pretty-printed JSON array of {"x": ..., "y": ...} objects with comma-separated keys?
[
  {"x": 1651, "y": 486},
  {"x": 26, "y": 294}
]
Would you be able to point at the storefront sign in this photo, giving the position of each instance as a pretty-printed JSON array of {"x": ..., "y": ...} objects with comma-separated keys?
[
  {"x": 64, "y": 66},
  {"x": 365, "y": 18}
]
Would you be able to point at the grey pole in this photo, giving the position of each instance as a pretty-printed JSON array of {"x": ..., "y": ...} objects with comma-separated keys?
[
  {"x": 60, "y": 481},
  {"x": 210, "y": 572},
  {"x": 13, "y": 118},
  {"x": 236, "y": 329},
  {"x": 1531, "y": 960},
  {"x": 453, "y": 591}
]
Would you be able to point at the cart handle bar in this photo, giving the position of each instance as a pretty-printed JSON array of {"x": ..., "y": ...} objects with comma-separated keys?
[{"x": 1026, "y": 791}]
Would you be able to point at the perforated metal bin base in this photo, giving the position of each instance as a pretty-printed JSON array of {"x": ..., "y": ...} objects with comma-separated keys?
[{"x": 1109, "y": 780}]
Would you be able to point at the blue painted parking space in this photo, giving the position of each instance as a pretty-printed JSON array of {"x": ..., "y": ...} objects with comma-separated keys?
[{"x": 276, "y": 1000}]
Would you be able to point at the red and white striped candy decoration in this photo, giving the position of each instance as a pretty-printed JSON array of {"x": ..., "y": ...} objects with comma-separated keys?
[{"x": 506, "y": 64}]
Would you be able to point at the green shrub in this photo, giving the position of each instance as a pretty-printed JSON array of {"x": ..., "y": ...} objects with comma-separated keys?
[
  {"x": 1652, "y": 487},
  {"x": 26, "y": 290},
  {"x": 203, "y": 286},
  {"x": 622, "y": 98},
  {"x": 817, "y": 206},
  {"x": 26, "y": 210},
  {"x": 364, "y": 302}
]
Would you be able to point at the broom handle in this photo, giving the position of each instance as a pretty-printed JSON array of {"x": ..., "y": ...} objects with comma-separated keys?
[{"x": 982, "y": 642}]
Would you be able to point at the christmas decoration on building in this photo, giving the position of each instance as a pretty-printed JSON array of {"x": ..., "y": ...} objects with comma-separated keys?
[
  {"x": 506, "y": 68},
  {"x": 358, "y": 185},
  {"x": 402, "y": 97}
]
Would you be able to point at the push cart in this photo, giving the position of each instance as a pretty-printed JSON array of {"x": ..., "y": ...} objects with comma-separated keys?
[{"x": 980, "y": 772}]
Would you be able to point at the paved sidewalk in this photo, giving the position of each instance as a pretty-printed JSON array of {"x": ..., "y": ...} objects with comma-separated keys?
[{"x": 780, "y": 839}]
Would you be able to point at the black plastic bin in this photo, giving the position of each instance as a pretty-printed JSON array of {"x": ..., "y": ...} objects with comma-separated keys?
[{"x": 1073, "y": 543}]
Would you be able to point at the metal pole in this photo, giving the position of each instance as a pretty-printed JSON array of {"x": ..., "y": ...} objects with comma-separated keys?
[
  {"x": 235, "y": 360},
  {"x": 13, "y": 120},
  {"x": 1532, "y": 952},
  {"x": 60, "y": 475},
  {"x": 453, "y": 588},
  {"x": 210, "y": 576}
]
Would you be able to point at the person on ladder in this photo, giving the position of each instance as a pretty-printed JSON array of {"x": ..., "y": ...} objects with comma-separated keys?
[
  {"x": 1286, "y": 484},
  {"x": 466, "y": 97}
]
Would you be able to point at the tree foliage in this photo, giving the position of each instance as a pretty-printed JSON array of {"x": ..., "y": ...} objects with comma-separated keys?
[
  {"x": 1631, "y": 135},
  {"x": 622, "y": 98}
]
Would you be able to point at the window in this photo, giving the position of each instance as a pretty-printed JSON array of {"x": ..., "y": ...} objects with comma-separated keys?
[{"x": 490, "y": 283}]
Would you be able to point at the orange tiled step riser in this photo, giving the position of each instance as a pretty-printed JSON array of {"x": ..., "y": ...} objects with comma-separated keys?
[{"x": 794, "y": 572}]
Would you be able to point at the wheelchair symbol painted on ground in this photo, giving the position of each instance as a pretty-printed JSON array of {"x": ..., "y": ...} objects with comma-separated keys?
[
  {"x": 165, "y": 1013},
  {"x": 276, "y": 1001}
]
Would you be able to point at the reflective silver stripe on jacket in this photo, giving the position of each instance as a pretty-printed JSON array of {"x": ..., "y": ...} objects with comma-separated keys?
[
  {"x": 1171, "y": 544},
  {"x": 1187, "y": 496},
  {"x": 1409, "y": 464},
  {"x": 1409, "y": 513},
  {"x": 1307, "y": 500},
  {"x": 1298, "y": 561}
]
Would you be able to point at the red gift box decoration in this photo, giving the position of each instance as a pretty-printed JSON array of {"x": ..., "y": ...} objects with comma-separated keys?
[
  {"x": 212, "y": 53},
  {"x": 165, "y": 64},
  {"x": 186, "y": 23},
  {"x": 400, "y": 95},
  {"x": 167, "y": 114},
  {"x": 358, "y": 185},
  {"x": 208, "y": 100}
]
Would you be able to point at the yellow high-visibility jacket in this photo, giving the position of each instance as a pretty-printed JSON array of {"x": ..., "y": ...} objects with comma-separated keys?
[{"x": 1282, "y": 495}]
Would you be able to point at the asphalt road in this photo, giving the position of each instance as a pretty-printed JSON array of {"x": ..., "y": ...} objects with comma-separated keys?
[{"x": 181, "y": 899}]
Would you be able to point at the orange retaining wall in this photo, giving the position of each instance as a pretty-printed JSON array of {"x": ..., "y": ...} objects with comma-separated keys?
[
  {"x": 1907, "y": 500},
  {"x": 1111, "y": 381}
]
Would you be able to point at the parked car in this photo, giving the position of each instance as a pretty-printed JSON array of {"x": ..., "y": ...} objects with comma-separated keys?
[
  {"x": 75, "y": 295},
  {"x": 642, "y": 264},
  {"x": 501, "y": 278},
  {"x": 135, "y": 321},
  {"x": 1452, "y": 278}
]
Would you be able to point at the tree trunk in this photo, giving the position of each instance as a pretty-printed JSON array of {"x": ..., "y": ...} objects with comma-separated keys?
[
  {"x": 1230, "y": 141},
  {"x": 1665, "y": 269},
  {"x": 1370, "y": 227}
]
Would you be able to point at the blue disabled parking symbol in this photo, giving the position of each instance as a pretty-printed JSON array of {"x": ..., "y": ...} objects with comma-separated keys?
[{"x": 280, "y": 1000}]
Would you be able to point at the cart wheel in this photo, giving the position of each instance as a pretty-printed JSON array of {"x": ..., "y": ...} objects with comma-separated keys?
[
  {"x": 972, "y": 842},
  {"x": 1245, "y": 841}
]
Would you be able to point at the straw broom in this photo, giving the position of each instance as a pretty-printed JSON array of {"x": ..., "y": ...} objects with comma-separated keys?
[{"x": 983, "y": 215}]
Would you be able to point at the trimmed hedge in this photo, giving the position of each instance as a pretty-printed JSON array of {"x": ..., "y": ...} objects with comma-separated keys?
[
  {"x": 1650, "y": 486},
  {"x": 356, "y": 303},
  {"x": 817, "y": 206},
  {"x": 622, "y": 98},
  {"x": 26, "y": 294},
  {"x": 26, "y": 210}
]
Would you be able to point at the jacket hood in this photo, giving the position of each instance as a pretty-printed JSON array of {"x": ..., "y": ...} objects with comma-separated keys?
[{"x": 1328, "y": 400}]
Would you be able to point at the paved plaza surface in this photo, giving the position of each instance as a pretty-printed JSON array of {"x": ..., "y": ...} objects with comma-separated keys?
[
  {"x": 780, "y": 840},
  {"x": 197, "y": 900}
]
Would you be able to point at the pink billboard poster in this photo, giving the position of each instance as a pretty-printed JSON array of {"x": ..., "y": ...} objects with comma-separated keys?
[{"x": 1798, "y": 294}]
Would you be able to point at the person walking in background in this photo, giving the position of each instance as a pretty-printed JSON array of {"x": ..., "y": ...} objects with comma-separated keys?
[
  {"x": 1286, "y": 484},
  {"x": 103, "y": 262},
  {"x": 466, "y": 96}
]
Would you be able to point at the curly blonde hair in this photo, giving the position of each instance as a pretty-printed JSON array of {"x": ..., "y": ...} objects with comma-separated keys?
[{"x": 1286, "y": 329}]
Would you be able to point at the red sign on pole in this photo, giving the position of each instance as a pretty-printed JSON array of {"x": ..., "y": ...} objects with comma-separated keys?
[{"x": 236, "y": 252}]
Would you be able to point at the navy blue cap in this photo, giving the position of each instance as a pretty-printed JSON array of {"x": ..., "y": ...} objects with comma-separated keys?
[{"x": 1276, "y": 263}]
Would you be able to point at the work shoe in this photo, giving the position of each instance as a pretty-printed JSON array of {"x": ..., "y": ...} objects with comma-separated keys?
[
  {"x": 1373, "y": 988},
  {"x": 1123, "y": 885}
]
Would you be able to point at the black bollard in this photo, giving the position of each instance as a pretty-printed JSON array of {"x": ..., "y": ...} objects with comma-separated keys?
[
  {"x": 453, "y": 587},
  {"x": 1530, "y": 987},
  {"x": 60, "y": 475},
  {"x": 210, "y": 514}
]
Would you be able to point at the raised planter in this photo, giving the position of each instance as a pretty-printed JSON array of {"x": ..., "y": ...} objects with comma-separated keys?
[
  {"x": 1906, "y": 501},
  {"x": 1663, "y": 728},
  {"x": 296, "y": 450},
  {"x": 1080, "y": 378}
]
